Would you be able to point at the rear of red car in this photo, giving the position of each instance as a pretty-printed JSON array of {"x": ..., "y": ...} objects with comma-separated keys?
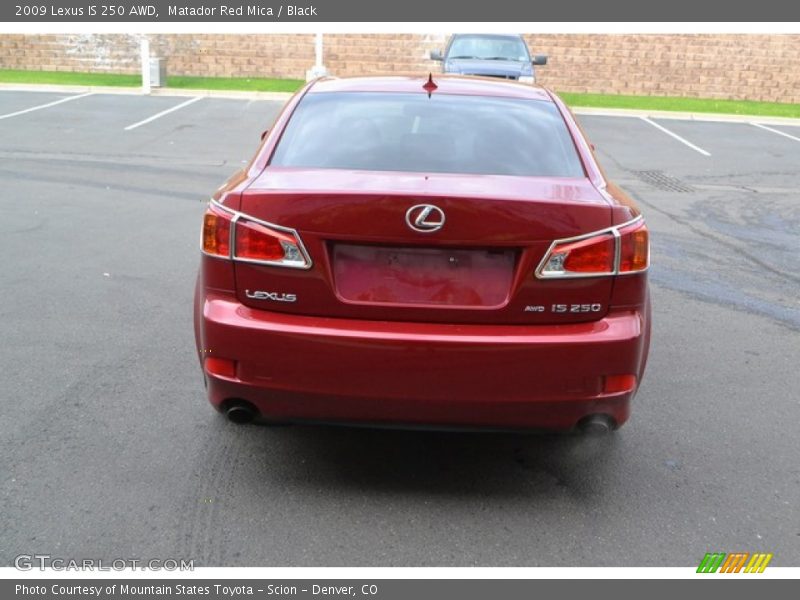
[{"x": 407, "y": 255}]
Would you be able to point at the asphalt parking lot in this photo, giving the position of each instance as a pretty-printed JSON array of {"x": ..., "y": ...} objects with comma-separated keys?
[{"x": 108, "y": 448}]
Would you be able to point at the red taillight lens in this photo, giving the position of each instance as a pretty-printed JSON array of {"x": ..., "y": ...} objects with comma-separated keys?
[
  {"x": 634, "y": 248},
  {"x": 591, "y": 256},
  {"x": 217, "y": 232},
  {"x": 256, "y": 242},
  {"x": 595, "y": 255}
]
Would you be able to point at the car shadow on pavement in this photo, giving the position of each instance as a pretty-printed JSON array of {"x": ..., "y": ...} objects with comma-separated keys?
[{"x": 447, "y": 463}]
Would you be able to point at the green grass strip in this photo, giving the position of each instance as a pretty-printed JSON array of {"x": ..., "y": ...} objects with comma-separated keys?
[
  {"x": 248, "y": 84},
  {"x": 696, "y": 105}
]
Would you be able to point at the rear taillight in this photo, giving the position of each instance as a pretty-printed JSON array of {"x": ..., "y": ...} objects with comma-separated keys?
[
  {"x": 617, "y": 250},
  {"x": 234, "y": 235}
]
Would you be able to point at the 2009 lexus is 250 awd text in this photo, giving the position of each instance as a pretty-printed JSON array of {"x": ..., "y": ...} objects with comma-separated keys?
[{"x": 416, "y": 251}]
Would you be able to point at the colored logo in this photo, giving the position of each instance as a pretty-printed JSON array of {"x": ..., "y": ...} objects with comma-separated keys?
[{"x": 736, "y": 562}]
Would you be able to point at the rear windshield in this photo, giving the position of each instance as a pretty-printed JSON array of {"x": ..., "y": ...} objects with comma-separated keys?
[{"x": 440, "y": 134}]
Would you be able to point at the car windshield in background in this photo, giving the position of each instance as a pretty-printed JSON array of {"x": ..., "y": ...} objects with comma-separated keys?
[
  {"x": 441, "y": 134},
  {"x": 488, "y": 48}
]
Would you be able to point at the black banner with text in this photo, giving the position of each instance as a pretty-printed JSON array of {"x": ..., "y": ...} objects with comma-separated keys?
[{"x": 32, "y": 11}]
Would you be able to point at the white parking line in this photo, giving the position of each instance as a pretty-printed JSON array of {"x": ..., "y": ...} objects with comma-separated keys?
[
  {"x": 791, "y": 137},
  {"x": 41, "y": 106},
  {"x": 164, "y": 112},
  {"x": 676, "y": 136}
]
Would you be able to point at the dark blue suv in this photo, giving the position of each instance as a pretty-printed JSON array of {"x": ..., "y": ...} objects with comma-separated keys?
[{"x": 489, "y": 55}]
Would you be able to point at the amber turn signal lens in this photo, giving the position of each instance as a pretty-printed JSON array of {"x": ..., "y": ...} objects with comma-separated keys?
[
  {"x": 634, "y": 248},
  {"x": 216, "y": 232}
]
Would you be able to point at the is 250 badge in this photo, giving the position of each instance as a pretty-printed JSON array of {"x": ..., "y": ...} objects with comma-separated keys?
[{"x": 566, "y": 308}]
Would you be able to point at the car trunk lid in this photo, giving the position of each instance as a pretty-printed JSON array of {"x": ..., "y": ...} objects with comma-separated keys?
[{"x": 370, "y": 261}]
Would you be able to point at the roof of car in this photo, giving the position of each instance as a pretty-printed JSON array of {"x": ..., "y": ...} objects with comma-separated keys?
[
  {"x": 514, "y": 36},
  {"x": 446, "y": 84}
]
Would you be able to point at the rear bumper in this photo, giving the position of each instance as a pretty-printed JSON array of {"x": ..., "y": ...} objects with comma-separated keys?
[{"x": 322, "y": 369}]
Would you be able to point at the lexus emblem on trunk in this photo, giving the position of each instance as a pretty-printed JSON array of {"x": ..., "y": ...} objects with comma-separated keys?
[{"x": 425, "y": 218}]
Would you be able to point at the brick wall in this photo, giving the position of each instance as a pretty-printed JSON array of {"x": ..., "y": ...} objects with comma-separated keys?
[
  {"x": 741, "y": 67},
  {"x": 754, "y": 67}
]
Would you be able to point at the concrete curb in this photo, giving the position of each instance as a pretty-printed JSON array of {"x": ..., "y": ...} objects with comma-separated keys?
[
  {"x": 137, "y": 91},
  {"x": 284, "y": 96},
  {"x": 67, "y": 89},
  {"x": 685, "y": 116},
  {"x": 241, "y": 95}
]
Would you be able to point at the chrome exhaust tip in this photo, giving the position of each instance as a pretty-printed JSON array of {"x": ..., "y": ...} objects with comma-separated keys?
[
  {"x": 596, "y": 425},
  {"x": 240, "y": 412}
]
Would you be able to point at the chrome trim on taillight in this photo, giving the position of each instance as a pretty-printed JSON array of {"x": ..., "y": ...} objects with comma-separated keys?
[
  {"x": 614, "y": 230},
  {"x": 236, "y": 216},
  {"x": 618, "y": 248}
]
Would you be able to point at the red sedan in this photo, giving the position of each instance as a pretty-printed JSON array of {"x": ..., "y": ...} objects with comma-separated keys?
[{"x": 410, "y": 252}]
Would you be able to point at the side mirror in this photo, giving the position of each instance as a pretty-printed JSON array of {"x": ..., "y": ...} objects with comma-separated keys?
[
  {"x": 264, "y": 134},
  {"x": 436, "y": 55},
  {"x": 539, "y": 60}
]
